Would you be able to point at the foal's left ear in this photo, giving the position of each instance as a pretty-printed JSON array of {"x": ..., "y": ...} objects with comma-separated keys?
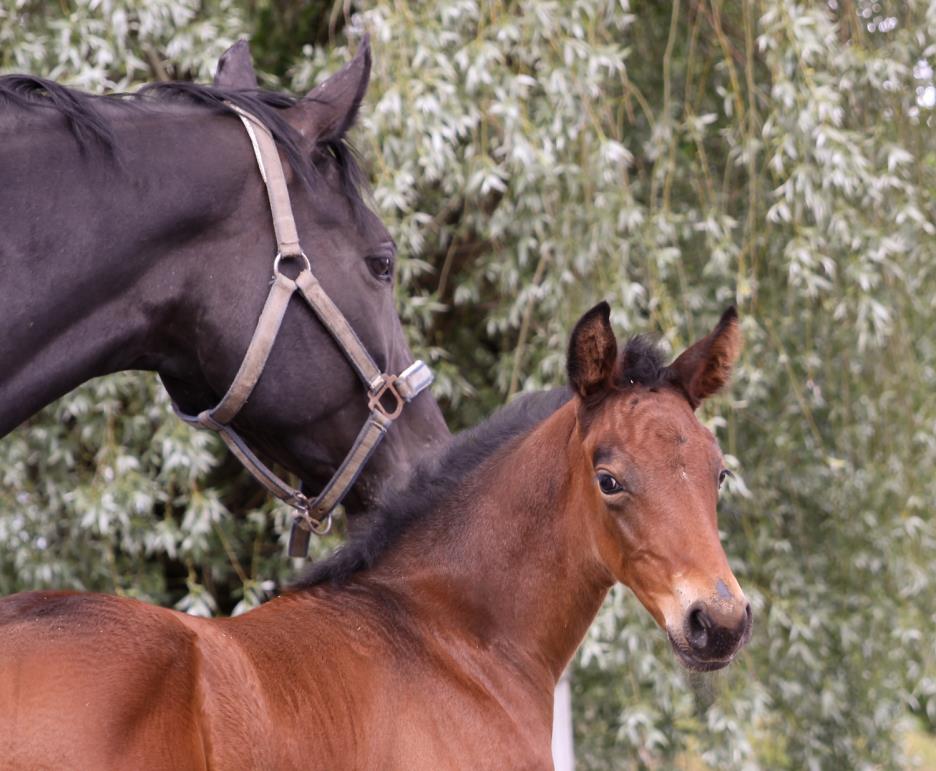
[
  {"x": 235, "y": 68},
  {"x": 592, "y": 352},
  {"x": 705, "y": 366},
  {"x": 330, "y": 108}
]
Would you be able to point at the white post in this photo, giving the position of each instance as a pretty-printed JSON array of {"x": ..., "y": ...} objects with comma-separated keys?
[{"x": 562, "y": 750}]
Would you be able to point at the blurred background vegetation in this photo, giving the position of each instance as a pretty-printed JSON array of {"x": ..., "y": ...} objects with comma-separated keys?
[{"x": 532, "y": 158}]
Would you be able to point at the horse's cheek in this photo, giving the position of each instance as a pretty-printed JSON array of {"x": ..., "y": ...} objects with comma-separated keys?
[{"x": 612, "y": 543}]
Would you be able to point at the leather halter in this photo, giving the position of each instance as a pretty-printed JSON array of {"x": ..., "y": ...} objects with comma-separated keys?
[{"x": 313, "y": 515}]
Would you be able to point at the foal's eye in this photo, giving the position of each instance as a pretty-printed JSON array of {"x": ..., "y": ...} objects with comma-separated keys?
[
  {"x": 381, "y": 266},
  {"x": 723, "y": 475},
  {"x": 608, "y": 484}
]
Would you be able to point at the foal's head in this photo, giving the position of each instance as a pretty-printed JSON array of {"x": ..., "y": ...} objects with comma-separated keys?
[{"x": 656, "y": 473}]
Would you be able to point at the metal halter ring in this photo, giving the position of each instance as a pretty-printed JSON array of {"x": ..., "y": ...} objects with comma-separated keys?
[
  {"x": 317, "y": 526},
  {"x": 280, "y": 256},
  {"x": 387, "y": 386},
  {"x": 323, "y": 526}
]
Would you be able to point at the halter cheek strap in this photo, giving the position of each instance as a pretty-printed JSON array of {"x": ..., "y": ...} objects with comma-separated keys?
[{"x": 387, "y": 393}]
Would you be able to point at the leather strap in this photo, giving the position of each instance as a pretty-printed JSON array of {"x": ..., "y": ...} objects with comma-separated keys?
[
  {"x": 338, "y": 325},
  {"x": 258, "y": 351},
  {"x": 314, "y": 516},
  {"x": 274, "y": 485},
  {"x": 271, "y": 169},
  {"x": 364, "y": 445}
]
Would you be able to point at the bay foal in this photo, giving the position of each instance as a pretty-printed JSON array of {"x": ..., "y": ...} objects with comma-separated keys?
[{"x": 433, "y": 641}]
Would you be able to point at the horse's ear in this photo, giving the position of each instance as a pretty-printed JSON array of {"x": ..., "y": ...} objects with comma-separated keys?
[
  {"x": 235, "y": 68},
  {"x": 592, "y": 352},
  {"x": 705, "y": 366},
  {"x": 330, "y": 108}
]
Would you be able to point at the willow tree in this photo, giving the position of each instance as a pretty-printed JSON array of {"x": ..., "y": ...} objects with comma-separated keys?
[{"x": 532, "y": 158}]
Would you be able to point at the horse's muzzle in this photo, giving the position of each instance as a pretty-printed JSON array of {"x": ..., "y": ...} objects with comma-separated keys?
[{"x": 710, "y": 639}]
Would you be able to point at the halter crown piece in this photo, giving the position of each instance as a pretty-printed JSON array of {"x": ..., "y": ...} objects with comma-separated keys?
[{"x": 312, "y": 515}]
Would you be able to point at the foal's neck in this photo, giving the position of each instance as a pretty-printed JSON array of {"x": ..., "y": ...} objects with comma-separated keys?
[{"x": 518, "y": 572}]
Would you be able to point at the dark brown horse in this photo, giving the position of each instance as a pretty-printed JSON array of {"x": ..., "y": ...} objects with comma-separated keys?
[
  {"x": 135, "y": 233},
  {"x": 435, "y": 639}
]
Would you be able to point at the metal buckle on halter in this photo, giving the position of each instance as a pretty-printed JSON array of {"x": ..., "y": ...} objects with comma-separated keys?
[
  {"x": 299, "y": 501},
  {"x": 386, "y": 385},
  {"x": 405, "y": 387}
]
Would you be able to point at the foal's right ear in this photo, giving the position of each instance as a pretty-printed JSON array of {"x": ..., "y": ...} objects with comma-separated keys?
[
  {"x": 705, "y": 366},
  {"x": 592, "y": 352},
  {"x": 235, "y": 68}
]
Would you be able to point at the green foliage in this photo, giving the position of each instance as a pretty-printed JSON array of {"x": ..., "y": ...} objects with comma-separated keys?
[
  {"x": 103, "y": 45},
  {"x": 283, "y": 27},
  {"x": 532, "y": 158}
]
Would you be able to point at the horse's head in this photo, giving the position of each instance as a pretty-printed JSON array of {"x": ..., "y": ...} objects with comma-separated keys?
[
  {"x": 309, "y": 405},
  {"x": 656, "y": 473}
]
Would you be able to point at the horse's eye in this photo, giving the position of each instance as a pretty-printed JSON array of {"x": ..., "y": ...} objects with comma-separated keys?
[
  {"x": 723, "y": 475},
  {"x": 381, "y": 266},
  {"x": 608, "y": 484}
]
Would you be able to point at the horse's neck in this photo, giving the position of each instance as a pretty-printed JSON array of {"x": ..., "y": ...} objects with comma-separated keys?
[
  {"x": 97, "y": 249},
  {"x": 519, "y": 574}
]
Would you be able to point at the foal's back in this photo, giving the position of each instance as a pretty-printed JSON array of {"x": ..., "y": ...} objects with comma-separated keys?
[{"x": 328, "y": 679}]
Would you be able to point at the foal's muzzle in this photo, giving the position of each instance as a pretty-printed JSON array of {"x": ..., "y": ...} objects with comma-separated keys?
[{"x": 711, "y": 635}]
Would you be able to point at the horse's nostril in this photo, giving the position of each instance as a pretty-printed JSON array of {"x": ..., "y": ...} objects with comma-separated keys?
[{"x": 698, "y": 625}]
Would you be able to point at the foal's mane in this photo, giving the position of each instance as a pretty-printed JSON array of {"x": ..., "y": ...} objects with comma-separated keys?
[
  {"x": 90, "y": 126},
  {"x": 640, "y": 364}
]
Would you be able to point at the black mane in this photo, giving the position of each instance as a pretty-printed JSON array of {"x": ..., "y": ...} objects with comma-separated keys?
[
  {"x": 640, "y": 363},
  {"x": 89, "y": 126},
  {"x": 430, "y": 485}
]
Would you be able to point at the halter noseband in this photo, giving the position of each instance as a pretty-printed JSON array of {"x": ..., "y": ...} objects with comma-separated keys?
[{"x": 313, "y": 515}]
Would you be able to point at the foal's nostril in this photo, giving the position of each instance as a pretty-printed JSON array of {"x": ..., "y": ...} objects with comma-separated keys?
[{"x": 698, "y": 625}]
